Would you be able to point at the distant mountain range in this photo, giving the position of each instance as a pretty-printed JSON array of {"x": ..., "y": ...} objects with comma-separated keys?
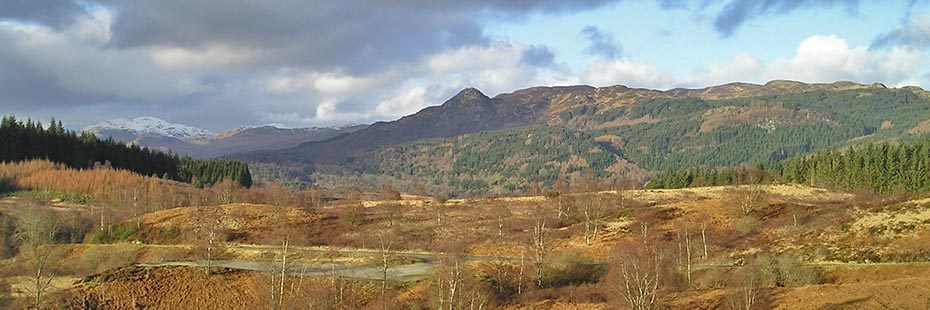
[
  {"x": 124, "y": 129},
  {"x": 473, "y": 142},
  {"x": 506, "y": 143},
  {"x": 156, "y": 133}
]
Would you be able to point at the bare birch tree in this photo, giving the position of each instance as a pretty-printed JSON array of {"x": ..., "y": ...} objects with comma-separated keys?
[
  {"x": 540, "y": 246},
  {"x": 501, "y": 214},
  {"x": 746, "y": 296},
  {"x": 638, "y": 270},
  {"x": 37, "y": 229},
  {"x": 750, "y": 198},
  {"x": 278, "y": 276},
  {"x": 386, "y": 240}
]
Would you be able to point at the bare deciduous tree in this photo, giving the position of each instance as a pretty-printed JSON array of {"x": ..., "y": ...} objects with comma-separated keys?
[
  {"x": 225, "y": 191},
  {"x": 388, "y": 193},
  {"x": 310, "y": 198},
  {"x": 278, "y": 276},
  {"x": 393, "y": 212},
  {"x": 540, "y": 246},
  {"x": 704, "y": 219},
  {"x": 501, "y": 213},
  {"x": 592, "y": 208},
  {"x": 457, "y": 287},
  {"x": 211, "y": 245},
  {"x": 638, "y": 269},
  {"x": 438, "y": 200},
  {"x": 37, "y": 229},
  {"x": 386, "y": 240},
  {"x": 558, "y": 190},
  {"x": 746, "y": 296},
  {"x": 750, "y": 198}
]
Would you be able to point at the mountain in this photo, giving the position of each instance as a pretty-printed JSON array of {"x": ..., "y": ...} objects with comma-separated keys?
[
  {"x": 248, "y": 139},
  {"x": 651, "y": 130},
  {"x": 468, "y": 111},
  {"x": 573, "y": 107},
  {"x": 122, "y": 128},
  {"x": 200, "y": 143}
]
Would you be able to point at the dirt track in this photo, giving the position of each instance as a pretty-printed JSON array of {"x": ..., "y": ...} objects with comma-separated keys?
[
  {"x": 421, "y": 267},
  {"x": 405, "y": 273}
]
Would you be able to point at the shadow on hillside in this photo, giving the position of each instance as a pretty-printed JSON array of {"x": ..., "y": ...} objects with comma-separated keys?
[{"x": 7, "y": 186}]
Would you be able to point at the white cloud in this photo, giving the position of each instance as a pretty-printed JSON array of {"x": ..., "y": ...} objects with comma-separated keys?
[
  {"x": 818, "y": 59},
  {"x": 326, "y": 112},
  {"x": 497, "y": 68},
  {"x": 471, "y": 58},
  {"x": 77, "y": 62},
  {"x": 627, "y": 72},
  {"x": 402, "y": 90},
  {"x": 177, "y": 58},
  {"x": 406, "y": 103},
  {"x": 741, "y": 66}
]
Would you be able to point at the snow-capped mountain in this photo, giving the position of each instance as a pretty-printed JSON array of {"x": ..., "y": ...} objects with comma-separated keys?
[
  {"x": 149, "y": 126},
  {"x": 156, "y": 133}
]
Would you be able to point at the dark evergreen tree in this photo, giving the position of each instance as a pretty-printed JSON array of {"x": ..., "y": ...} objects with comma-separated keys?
[{"x": 30, "y": 140}]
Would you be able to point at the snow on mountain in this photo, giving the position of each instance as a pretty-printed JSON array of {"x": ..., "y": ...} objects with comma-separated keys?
[
  {"x": 148, "y": 125},
  {"x": 280, "y": 129}
]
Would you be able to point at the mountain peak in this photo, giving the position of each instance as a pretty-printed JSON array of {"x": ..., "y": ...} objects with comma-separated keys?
[
  {"x": 470, "y": 93},
  {"x": 150, "y": 125}
]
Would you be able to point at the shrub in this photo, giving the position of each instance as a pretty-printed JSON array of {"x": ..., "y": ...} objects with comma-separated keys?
[
  {"x": 73, "y": 229},
  {"x": 786, "y": 270},
  {"x": 573, "y": 268},
  {"x": 161, "y": 255},
  {"x": 117, "y": 233},
  {"x": 7, "y": 185},
  {"x": 355, "y": 214},
  {"x": 389, "y": 193},
  {"x": 100, "y": 258},
  {"x": 746, "y": 224},
  {"x": 501, "y": 278},
  {"x": 440, "y": 198},
  {"x": 8, "y": 241}
]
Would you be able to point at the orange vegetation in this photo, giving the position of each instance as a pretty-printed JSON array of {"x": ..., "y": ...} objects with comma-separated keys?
[{"x": 102, "y": 183}]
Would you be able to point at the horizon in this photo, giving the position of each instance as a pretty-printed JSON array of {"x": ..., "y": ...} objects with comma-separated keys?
[
  {"x": 351, "y": 124},
  {"x": 92, "y": 61}
]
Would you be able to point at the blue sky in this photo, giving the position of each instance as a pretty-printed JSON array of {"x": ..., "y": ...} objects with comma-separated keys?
[
  {"x": 220, "y": 64},
  {"x": 681, "y": 39}
]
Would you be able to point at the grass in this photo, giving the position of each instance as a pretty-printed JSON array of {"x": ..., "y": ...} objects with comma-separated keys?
[{"x": 49, "y": 195}]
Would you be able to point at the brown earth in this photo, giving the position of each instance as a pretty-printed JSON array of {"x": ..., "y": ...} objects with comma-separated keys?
[
  {"x": 851, "y": 287},
  {"x": 823, "y": 227},
  {"x": 244, "y": 223},
  {"x": 921, "y": 128},
  {"x": 167, "y": 288}
]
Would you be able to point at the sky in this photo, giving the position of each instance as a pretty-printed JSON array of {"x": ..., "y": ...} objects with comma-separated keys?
[{"x": 221, "y": 64}]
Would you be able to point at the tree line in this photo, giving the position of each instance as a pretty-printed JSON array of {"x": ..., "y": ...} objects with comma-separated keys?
[
  {"x": 31, "y": 140},
  {"x": 883, "y": 168}
]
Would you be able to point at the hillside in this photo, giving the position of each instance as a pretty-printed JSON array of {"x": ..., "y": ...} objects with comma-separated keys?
[
  {"x": 23, "y": 141},
  {"x": 511, "y": 159},
  {"x": 726, "y": 125},
  {"x": 803, "y": 246},
  {"x": 161, "y": 135},
  {"x": 469, "y": 111},
  {"x": 576, "y": 107}
]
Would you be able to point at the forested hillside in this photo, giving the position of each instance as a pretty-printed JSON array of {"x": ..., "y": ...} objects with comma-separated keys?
[
  {"x": 31, "y": 140},
  {"x": 706, "y": 132},
  {"x": 511, "y": 159},
  {"x": 883, "y": 168},
  {"x": 765, "y": 129}
]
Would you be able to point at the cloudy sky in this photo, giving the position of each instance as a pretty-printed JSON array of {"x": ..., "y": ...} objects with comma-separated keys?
[{"x": 219, "y": 64}]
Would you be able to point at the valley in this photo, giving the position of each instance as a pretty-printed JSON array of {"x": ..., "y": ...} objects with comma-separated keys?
[
  {"x": 798, "y": 242},
  {"x": 464, "y": 155}
]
